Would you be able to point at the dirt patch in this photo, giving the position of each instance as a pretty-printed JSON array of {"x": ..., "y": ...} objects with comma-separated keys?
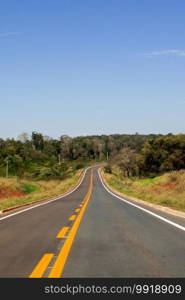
[
  {"x": 168, "y": 186},
  {"x": 7, "y": 193}
]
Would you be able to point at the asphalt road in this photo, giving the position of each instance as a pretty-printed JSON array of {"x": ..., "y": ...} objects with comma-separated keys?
[{"x": 106, "y": 237}]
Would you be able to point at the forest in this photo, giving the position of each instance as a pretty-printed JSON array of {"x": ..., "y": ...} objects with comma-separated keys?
[{"x": 41, "y": 157}]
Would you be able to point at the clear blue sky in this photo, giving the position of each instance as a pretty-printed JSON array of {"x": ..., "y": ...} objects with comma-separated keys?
[{"x": 81, "y": 67}]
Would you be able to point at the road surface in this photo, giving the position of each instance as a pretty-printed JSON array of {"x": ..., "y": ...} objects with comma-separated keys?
[{"x": 91, "y": 233}]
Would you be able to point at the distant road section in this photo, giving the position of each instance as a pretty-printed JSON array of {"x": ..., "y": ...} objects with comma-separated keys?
[{"x": 92, "y": 233}]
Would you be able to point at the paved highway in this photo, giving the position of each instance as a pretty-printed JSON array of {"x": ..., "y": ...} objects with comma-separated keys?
[{"x": 91, "y": 233}]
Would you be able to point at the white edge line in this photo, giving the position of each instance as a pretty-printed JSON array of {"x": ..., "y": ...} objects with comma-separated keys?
[
  {"x": 139, "y": 207},
  {"x": 49, "y": 201}
]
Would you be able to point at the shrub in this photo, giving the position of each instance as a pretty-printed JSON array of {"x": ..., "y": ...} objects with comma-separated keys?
[
  {"x": 108, "y": 169},
  {"x": 79, "y": 166},
  {"x": 28, "y": 188}
]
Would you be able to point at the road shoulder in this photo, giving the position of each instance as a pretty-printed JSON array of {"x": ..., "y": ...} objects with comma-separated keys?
[{"x": 153, "y": 207}]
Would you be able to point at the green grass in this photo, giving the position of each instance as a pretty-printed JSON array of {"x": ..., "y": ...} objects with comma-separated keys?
[
  {"x": 167, "y": 190},
  {"x": 148, "y": 181},
  {"x": 28, "y": 188}
]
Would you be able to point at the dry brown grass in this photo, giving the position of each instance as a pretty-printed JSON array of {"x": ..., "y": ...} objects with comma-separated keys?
[
  {"x": 43, "y": 189},
  {"x": 167, "y": 190}
]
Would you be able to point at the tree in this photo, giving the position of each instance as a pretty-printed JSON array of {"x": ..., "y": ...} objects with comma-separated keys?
[
  {"x": 127, "y": 162},
  {"x": 23, "y": 137},
  {"x": 161, "y": 154},
  {"x": 65, "y": 147},
  {"x": 37, "y": 140}
]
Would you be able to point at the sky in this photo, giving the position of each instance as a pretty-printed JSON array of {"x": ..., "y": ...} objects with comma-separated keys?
[{"x": 82, "y": 67}]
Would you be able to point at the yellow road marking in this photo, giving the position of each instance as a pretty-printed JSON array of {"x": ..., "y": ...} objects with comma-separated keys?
[
  {"x": 41, "y": 266},
  {"x": 77, "y": 210},
  {"x": 72, "y": 218},
  {"x": 62, "y": 232},
  {"x": 58, "y": 267}
]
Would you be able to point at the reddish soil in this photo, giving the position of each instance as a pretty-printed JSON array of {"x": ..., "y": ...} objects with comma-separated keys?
[
  {"x": 168, "y": 186},
  {"x": 7, "y": 193}
]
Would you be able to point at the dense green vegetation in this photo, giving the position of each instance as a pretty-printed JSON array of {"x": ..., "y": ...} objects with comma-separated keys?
[
  {"x": 163, "y": 154},
  {"x": 157, "y": 155},
  {"x": 41, "y": 157},
  {"x": 155, "y": 173}
]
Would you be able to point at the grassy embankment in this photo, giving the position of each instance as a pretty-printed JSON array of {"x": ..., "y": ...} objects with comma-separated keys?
[
  {"x": 13, "y": 192},
  {"x": 166, "y": 190}
]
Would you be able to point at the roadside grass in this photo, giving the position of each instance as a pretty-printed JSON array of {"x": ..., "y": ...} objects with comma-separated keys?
[
  {"x": 166, "y": 190},
  {"x": 34, "y": 191}
]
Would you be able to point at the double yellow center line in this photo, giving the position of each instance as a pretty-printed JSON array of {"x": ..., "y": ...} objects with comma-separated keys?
[{"x": 59, "y": 264}]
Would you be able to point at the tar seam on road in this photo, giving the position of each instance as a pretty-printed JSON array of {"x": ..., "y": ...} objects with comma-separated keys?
[
  {"x": 141, "y": 208},
  {"x": 49, "y": 201}
]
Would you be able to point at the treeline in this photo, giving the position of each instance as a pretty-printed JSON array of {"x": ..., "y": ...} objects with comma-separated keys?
[
  {"x": 42, "y": 157},
  {"x": 158, "y": 155}
]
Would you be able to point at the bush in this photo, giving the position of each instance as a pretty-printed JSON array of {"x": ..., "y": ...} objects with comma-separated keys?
[
  {"x": 41, "y": 173},
  {"x": 28, "y": 188},
  {"x": 79, "y": 166},
  {"x": 108, "y": 169}
]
